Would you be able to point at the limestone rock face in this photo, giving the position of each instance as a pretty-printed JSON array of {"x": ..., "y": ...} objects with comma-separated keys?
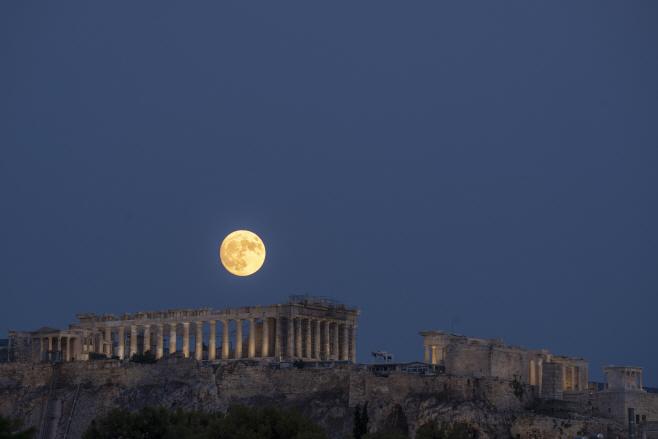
[{"x": 328, "y": 396}]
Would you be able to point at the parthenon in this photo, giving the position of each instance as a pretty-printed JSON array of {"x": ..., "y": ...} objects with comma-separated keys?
[{"x": 303, "y": 328}]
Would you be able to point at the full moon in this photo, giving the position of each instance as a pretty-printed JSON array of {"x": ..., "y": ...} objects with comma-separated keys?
[{"x": 242, "y": 253}]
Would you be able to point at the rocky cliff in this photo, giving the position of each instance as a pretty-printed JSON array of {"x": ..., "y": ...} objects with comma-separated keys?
[{"x": 495, "y": 408}]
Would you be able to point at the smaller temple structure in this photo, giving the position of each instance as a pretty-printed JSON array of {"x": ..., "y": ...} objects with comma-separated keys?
[{"x": 50, "y": 344}]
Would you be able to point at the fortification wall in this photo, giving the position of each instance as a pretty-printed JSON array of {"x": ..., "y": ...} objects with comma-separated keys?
[{"x": 328, "y": 396}]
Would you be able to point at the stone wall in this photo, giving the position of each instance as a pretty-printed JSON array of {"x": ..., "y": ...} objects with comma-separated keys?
[
  {"x": 500, "y": 361},
  {"x": 328, "y": 396},
  {"x": 615, "y": 405}
]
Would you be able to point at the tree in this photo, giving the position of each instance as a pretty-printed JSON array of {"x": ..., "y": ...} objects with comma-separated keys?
[
  {"x": 146, "y": 358},
  {"x": 361, "y": 420},
  {"x": 385, "y": 434},
  {"x": 446, "y": 430},
  {"x": 240, "y": 422},
  {"x": 8, "y": 428}
]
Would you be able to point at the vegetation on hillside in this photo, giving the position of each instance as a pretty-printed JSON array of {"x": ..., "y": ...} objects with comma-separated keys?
[
  {"x": 240, "y": 422},
  {"x": 9, "y": 429}
]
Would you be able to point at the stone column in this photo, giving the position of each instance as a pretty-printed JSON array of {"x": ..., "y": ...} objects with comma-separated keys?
[
  {"x": 172, "y": 338},
  {"x": 573, "y": 377},
  {"x": 50, "y": 343},
  {"x": 108, "y": 337},
  {"x": 186, "y": 339},
  {"x": 345, "y": 345},
  {"x": 63, "y": 342},
  {"x": 238, "y": 338},
  {"x": 317, "y": 351},
  {"x": 326, "y": 345},
  {"x": 212, "y": 343},
  {"x": 252, "y": 338},
  {"x": 334, "y": 341},
  {"x": 353, "y": 343},
  {"x": 147, "y": 339},
  {"x": 198, "y": 341},
  {"x": 564, "y": 378},
  {"x": 307, "y": 336},
  {"x": 266, "y": 337},
  {"x": 539, "y": 372},
  {"x": 69, "y": 350},
  {"x": 277, "y": 338},
  {"x": 640, "y": 380},
  {"x": 122, "y": 343},
  {"x": 290, "y": 342},
  {"x": 159, "y": 349},
  {"x": 78, "y": 348},
  {"x": 225, "y": 335},
  {"x": 133, "y": 340},
  {"x": 298, "y": 338},
  {"x": 433, "y": 354}
]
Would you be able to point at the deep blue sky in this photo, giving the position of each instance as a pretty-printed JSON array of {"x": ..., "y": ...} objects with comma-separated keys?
[{"x": 491, "y": 161}]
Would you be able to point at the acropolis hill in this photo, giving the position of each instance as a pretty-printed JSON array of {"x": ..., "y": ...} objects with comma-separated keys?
[{"x": 501, "y": 391}]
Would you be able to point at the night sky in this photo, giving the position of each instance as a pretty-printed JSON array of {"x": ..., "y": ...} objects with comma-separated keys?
[{"x": 494, "y": 163}]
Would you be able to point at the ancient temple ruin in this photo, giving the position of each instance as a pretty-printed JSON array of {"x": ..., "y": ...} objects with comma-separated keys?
[{"x": 304, "y": 328}]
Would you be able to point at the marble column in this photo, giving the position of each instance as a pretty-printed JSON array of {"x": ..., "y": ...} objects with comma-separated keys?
[
  {"x": 334, "y": 341},
  {"x": 316, "y": 343},
  {"x": 252, "y": 338},
  {"x": 64, "y": 343},
  {"x": 433, "y": 354},
  {"x": 212, "y": 339},
  {"x": 564, "y": 377},
  {"x": 172, "y": 338},
  {"x": 345, "y": 344},
  {"x": 238, "y": 339},
  {"x": 277, "y": 338},
  {"x": 266, "y": 337},
  {"x": 225, "y": 334},
  {"x": 108, "y": 337},
  {"x": 307, "y": 337},
  {"x": 198, "y": 341},
  {"x": 326, "y": 347},
  {"x": 122, "y": 344},
  {"x": 290, "y": 342},
  {"x": 146, "y": 345},
  {"x": 78, "y": 348},
  {"x": 353, "y": 343},
  {"x": 50, "y": 343},
  {"x": 186, "y": 339},
  {"x": 159, "y": 348},
  {"x": 69, "y": 350},
  {"x": 573, "y": 379},
  {"x": 133, "y": 340},
  {"x": 298, "y": 337}
]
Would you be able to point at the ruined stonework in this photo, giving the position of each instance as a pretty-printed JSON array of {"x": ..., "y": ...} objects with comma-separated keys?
[
  {"x": 303, "y": 328},
  {"x": 495, "y": 408}
]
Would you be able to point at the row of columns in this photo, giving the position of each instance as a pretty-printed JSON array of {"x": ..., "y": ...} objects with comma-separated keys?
[
  {"x": 320, "y": 339},
  {"x": 631, "y": 380},
  {"x": 70, "y": 346},
  {"x": 575, "y": 382},
  {"x": 432, "y": 354}
]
